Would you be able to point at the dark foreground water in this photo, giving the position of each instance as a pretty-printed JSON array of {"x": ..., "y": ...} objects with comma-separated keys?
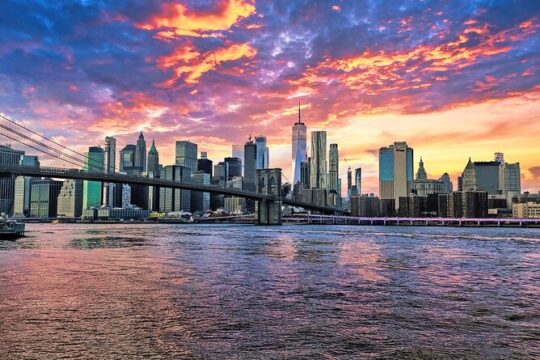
[{"x": 212, "y": 291}]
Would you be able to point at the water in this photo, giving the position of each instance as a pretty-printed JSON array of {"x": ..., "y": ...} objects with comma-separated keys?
[{"x": 312, "y": 292}]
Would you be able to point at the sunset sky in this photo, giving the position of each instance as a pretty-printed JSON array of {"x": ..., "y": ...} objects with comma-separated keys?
[{"x": 452, "y": 78}]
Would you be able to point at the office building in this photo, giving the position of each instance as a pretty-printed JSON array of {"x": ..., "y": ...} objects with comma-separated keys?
[
  {"x": 234, "y": 166},
  {"x": 109, "y": 153},
  {"x": 127, "y": 160},
  {"x": 304, "y": 174},
  {"x": 449, "y": 187},
  {"x": 221, "y": 174},
  {"x": 175, "y": 199},
  {"x": 487, "y": 176},
  {"x": 186, "y": 155},
  {"x": 319, "y": 165},
  {"x": 200, "y": 201},
  {"x": 358, "y": 180},
  {"x": 396, "y": 171},
  {"x": 153, "y": 166},
  {"x": 262, "y": 152},
  {"x": 44, "y": 198},
  {"x": 21, "y": 206},
  {"x": 299, "y": 150},
  {"x": 333, "y": 169},
  {"x": 92, "y": 193},
  {"x": 8, "y": 156},
  {"x": 140, "y": 153},
  {"x": 70, "y": 199},
  {"x": 204, "y": 164},
  {"x": 424, "y": 186},
  {"x": 250, "y": 166},
  {"x": 526, "y": 210},
  {"x": 238, "y": 152},
  {"x": 365, "y": 206}
]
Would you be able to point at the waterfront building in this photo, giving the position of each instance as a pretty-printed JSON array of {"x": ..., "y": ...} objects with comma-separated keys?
[
  {"x": 487, "y": 176},
  {"x": 318, "y": 171},
  {"x": 333, "y": 169},
  {"x": 44, "y": 198},
  {"x": 250, "y": 166},
  {"x": 186, "y": 154},
  {"x": 8, "y": 156},
  {"x": 175, "y": 199},
  {"x": 123, "y": 213},
  {"x": 396, "y": 171},
  {"x": 234, "y": 205},
  {"x": 204, "y": 164},
  {"x": 388, "y": 207},
  {"x": 140, "y": 153},
  {"x": 263, "y": 152},
  {"x": 358, "y": 180},
  {"x": 21, "y": 205},
  {"x": 526, "y": 210},
  {"x": 70, "y": 199},
  {"x": 153, "y": 166},
  {"x": 412, "y": 206},
  {"x": 299, "y": 151},
  {"x": 234, "y": 166},
  {"x": 200, "y": 201},
  {"x": 92, "y": 192},
  {"x": 468, "y": 182},
  {"x": 464, "y": 204},
  {"x": 365, "y": 206},
  {"x": 238, "y": 152}
]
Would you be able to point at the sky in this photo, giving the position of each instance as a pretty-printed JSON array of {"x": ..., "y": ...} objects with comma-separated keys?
[{"x": 452, "y": 78}]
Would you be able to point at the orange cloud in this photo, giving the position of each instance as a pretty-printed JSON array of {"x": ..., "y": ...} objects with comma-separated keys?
[
  {"x": 188, "y": 61},
  {"x": 375, "y": 72},
  {"x": 176, "y": 20}
]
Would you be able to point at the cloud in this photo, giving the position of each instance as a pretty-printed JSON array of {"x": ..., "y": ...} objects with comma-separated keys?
[{"x": 175, "y": 19}]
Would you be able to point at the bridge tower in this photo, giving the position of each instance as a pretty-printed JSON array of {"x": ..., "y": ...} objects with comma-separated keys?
[{"x": 269, "y": 183}]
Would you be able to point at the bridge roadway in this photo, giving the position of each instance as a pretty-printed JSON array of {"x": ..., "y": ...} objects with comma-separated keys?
[{"x": 75, "y": 174}]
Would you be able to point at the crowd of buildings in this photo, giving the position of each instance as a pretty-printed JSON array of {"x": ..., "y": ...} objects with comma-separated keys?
[{"x": 485, "y": 188}]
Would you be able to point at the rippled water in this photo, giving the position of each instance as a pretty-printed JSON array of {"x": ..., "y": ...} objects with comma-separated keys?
[{"x": 214, "y": 291}]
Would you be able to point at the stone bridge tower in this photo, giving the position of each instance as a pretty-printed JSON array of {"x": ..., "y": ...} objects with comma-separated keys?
[{"x": 269, "y": 183}]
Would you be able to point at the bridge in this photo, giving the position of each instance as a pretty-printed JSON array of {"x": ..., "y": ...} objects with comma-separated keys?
[{"x": 268, "y": 194}]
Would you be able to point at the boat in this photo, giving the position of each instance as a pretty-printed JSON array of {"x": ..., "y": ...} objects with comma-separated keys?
[{"x": 10, "y": 229}]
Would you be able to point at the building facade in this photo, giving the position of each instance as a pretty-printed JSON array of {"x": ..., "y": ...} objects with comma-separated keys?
[
  {"x": 299, "y": 148},
  {"x": 396, "y": 171},
  {"x": 263, "y": 153},
  {"x": 186, "y": 154},
  {"x": 44, "y": 198},
  {"x": 175, "y": 199},
  {"x": 70, "y": 199},
  {"x": 318, "y": 164},
  {"x": 8, "y": 156},
  {"x": 92, "y": 192}
]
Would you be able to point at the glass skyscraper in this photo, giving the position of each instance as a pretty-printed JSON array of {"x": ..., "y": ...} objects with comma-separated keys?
[
  {"x": 333, "y": 169},
  {"x": 186, "y": 154},
  {"x": 318, "y": 171},
  {"x": 396, "y": 169},
  {"x": 262, "y": 152},
  {"x": 95, "y": 162},
  {"x": 299, "y": 153}
]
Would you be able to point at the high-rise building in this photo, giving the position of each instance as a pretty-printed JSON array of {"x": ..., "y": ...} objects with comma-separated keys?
[
  {"x": 396, "y": 171},
  {"x": 109, "y": 189},
  {"x": 175, "y": 199},
  {"x": 186, "y": 154},
  {"x": 235, "y": 167},
  {"x": 318, "y": 171},
  {"x": 70, "y": 199},
  {"x": 221, "y": 174},
  {"x": 299, "y": 151},
  {"x": 250, "y": 166},
  {"x": 44, "y": 197},
  {"x": 425, "y": 187},
  {"x": 238, "y": 152},
  {"x": 487, "y": 176},
  {"x": 262, "y": 152},
  {"x": 349, "y": 181},
  {"x": 127, "y": 160},
  {"x": 200, "y": 201},
  {"x": 333, "y": 169},
  {"x": 204, "y": 164},
  {"x": 21, "y": 205},
  {"x": 468, "y": 182},
  {"x": 8, "y": 156},
  {"x": 445, "y": 178},
  {"x": 95, "y": 162},
  {"x": 304, "y": 174},
  {"x": 140, "y": 153},
  {"x": 509, "y": 177},
  {"x": 153, "y": 161},
  {"x": 358, "y": 180}
]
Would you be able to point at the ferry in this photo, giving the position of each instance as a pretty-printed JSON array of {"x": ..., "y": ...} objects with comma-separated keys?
[{"x": 10, "y": 229}]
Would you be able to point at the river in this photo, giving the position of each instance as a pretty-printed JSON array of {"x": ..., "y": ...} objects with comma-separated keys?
[{"x": 248, "y": 292}]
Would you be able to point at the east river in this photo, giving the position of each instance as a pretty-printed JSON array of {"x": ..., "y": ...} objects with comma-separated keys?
[{"x": 247, "y": 292}]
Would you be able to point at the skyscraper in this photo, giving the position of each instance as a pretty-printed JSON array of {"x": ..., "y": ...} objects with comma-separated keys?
[
  {"x": 110, "y": 167},
  {"x": 140, "y": 153},
  {"x": 299, "y": 153},
  {"x": 175, "y": 199},
  {"x": 204, "y": 164},
  {"x": 487, "y": 176},
  {"x": 95, "y": 162},
  {"x": 235, "y": 167},
  {"x": 509, "y": 177},
  {"x": 333, "y": 169},
  {"x": 44, "y": 197},
  {"x": 8, "y": 156},
  {"x": 127, "y": 159},
  {"x": 22, "y": 187},
  {"x": 153, "y": 161},
  {"x": 186, "y": 154},
  {"x": 349, "y": 181},
  {"x": 396, "y": 171},
  {"x": 250, "y": 166},
  {"x": 70, "y": 199},
  {"x": 468, "y": 177},
  {"x": 200, "y": 201},
  {"x": 304, "y": 173},
  {"x": 262, "y": 152},
  {"x": 358, "y": 180},
  {"x": 238, "y": 152},
  {"x": 318, "y": 171}
]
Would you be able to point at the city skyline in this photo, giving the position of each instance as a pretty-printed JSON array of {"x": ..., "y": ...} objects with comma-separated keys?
[{"x": 453, "y": 82}]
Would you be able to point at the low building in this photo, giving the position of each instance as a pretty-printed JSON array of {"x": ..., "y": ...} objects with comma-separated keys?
[
  {"x": 234, "y": 205},
  {"x": 365, "y": 206},
  {"x": 129, "y": 213},
  {"x": 526, "y": 210}
]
